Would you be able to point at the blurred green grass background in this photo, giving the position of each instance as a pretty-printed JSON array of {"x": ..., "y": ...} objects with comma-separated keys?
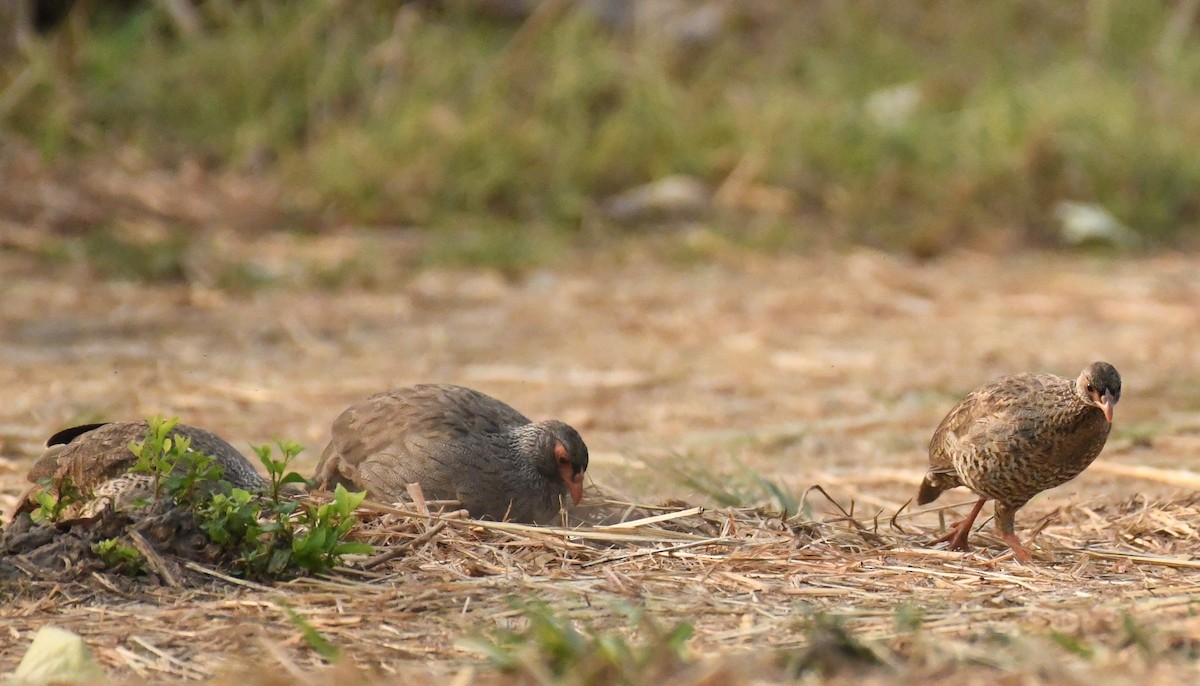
[{"x": 913, "y": 126}]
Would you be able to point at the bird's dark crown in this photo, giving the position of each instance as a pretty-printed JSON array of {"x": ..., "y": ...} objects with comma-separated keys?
[
  {"x": 1099, "y": 378},
  {"x": 571, "y": 440}
]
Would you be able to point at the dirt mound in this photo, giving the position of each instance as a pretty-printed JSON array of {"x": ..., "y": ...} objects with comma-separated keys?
[{"x": 164, "y": 536}]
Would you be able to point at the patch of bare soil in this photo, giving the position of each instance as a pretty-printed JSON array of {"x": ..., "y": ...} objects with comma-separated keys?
[{"x": 829, "y": 370}]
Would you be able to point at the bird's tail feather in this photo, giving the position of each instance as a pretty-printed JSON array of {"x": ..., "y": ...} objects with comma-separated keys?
[{"x": 929, "y": 492}]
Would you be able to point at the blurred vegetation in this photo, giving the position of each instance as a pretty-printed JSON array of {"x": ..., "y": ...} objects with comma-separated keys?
[
  {"x": 551, "y": 649},
  {"x": 915, "y": 126}
]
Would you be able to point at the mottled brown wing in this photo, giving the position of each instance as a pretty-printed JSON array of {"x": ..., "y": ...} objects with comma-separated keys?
[
  {"x": 1003, "y": 437},
  {"x": 998, "y": 406},
  {"x": 384, "y": 440},
  {"x": 47, "y": 464},
  {"x": 977, "y": 429},
  {"x": 944, "y": 443},
  {"x": 942, "y": 474},
  {"x": 467, "y": 408},
  {"x": 92, "y": 455}
]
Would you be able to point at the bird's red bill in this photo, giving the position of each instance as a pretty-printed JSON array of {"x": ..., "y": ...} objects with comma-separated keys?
[
  {"x": 1106, "y": 405},
  {"x": 573, "y": 481}
]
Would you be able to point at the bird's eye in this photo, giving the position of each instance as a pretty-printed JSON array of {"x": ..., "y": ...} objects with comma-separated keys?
[{"x": 1091, "y": 389}]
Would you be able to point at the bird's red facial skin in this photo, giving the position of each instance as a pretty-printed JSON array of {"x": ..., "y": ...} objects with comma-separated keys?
[{"x": 573, "y": 481}]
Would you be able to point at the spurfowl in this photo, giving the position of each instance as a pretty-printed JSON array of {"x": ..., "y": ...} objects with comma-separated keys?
[
  {"x": 1016, "y": 437},
  {"x": 96, "y": 459},
  {"x": 458, "y": 444}
]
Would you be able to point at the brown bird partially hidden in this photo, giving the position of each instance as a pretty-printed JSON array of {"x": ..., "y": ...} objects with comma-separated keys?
[
  {"x": 96, "y": 458},
  {"x": 1016, "y": 437},
  {"x": 458, "y": 444}
]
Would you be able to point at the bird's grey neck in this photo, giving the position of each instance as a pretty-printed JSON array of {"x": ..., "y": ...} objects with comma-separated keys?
[
  {"x": 526, "y": 442},
  {"x": 526, "y": 438}
]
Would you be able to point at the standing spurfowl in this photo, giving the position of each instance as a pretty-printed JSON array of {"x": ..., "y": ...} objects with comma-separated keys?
[
  {"x": 458, "y": 444},
  {"x": 1016, "y": 437},
  {"x": 96, "y": 459}
]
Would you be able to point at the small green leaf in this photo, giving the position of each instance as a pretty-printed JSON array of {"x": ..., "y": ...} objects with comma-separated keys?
[
  {"x": 119, "y": 556},
  {"x": 280, "y": 558},
  {"x": 1073, "y": 644},
  {"x": 292, "y": 478},
  {"x": 353, "y": 548},
  {"x": 320, "y": 645}
]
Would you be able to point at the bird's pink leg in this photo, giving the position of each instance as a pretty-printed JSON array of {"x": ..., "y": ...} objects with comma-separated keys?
[
  {"x": 959, "y": 531},
  {"x": 1005, "y": 525}
]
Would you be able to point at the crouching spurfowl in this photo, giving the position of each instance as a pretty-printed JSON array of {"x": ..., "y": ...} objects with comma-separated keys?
[
  {"x": 95, "y": 461},
  {"x": 458, "y": 444}
]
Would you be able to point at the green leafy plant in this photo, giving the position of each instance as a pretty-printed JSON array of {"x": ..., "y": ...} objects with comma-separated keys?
[
  {"x": 276, "y": 532},
  {"x": 277, "y": 470},
  {"x": 53, "y": 498},
  {"x": 119, "y": 556},
  {"x": 268, "y": 534},
  {"x": 178, "y": 470},
  {"x": 318, "y": 546},
  {"x": 230, "y": 517}
]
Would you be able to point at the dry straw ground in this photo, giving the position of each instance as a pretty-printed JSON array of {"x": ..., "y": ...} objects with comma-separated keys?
[{"x": 692, "y": 382}]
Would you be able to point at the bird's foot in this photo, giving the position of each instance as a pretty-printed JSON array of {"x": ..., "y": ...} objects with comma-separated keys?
[
  {"x": 1019, "y": 550},
  {"x": 957, "y": 536},
  {"x": 958, "y": 533}
]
